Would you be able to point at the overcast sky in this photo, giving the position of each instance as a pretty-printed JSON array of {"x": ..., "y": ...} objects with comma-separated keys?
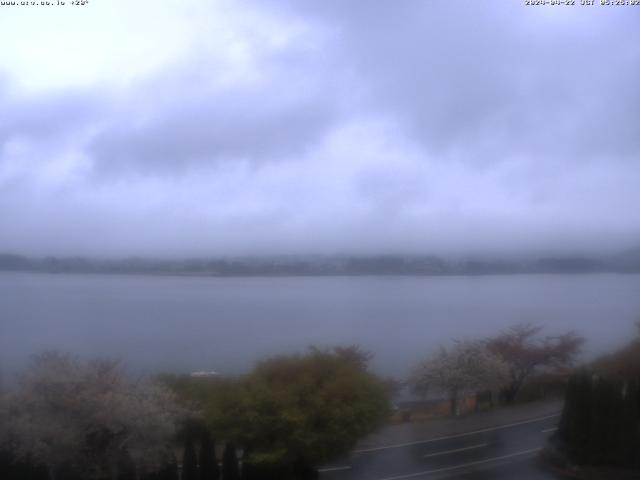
[{"x": 194, "y": 127}]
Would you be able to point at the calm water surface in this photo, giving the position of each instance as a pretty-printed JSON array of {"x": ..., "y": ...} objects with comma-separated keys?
[{"x": 225, "y": 324}]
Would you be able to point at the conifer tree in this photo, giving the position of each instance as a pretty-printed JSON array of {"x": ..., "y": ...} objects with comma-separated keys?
[
  {"x": 631, "y": 426},
  {"x": 27, "y": 469},
  {"x": 636, "y": 447},
  {"x": 189, "y": 462},
  {"x": 6, "y": 464},
  {"x": 169, "y": 471},
  {"x": 126, "y": 467},
  {"x": 209, "y": 469},
  {"x": 230, "y": 469},
  {"x": 575, "y": 423},
  {"x": 606, "y": 423},
  {"x": 248, "y": 469}
]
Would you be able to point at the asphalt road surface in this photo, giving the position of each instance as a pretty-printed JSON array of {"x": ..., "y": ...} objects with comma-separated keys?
[{"x": 499, "y": 451}]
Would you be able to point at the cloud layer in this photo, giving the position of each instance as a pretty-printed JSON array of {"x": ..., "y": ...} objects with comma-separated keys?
[{"x": 182, "y": 128}]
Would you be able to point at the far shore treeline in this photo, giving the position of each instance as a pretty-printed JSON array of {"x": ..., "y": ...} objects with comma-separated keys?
[{"x": 318, "y": 265}]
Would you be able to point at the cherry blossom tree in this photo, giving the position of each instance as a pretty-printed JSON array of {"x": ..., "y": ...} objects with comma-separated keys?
[
  {"x": 525, "y": 352},
  {"x": 466, "y": 367},
  {"x": 88, "y": 414}
]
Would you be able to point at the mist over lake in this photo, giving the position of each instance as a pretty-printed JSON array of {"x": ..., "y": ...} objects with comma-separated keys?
[{"x": 184, "y": 324}]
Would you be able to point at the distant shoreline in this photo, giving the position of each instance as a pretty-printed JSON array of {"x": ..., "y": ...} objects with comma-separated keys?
[{"x": 329, "y": 266}]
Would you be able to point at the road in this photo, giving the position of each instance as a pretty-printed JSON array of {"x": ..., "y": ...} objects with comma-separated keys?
[{"x": 495, "y": 451}]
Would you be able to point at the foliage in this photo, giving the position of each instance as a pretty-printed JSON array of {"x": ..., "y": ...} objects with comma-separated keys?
[
  {"x": 169, "y": 471},
  {"x": 525, "y": 353},
  {"x": 209, "y": 469},
  {"x": 249, "y": 470},
  {"x": 544, "y": 385},
  {"x": 213, "y": 398},
  {"x": 393, "y": 386},
  {"x": 464, "y": 368},
  {"x": 575, "y": 422},
  {"x": 600, "y": 423},
  {"x": 351, "y": 354},
  {"x": 607, "y": 422},
  {"x": 12, "y": 468},
  {"x": 68, "y": 412},
  {"x": 189, "y": 461},
  {"x": 230, "y": 469},
  {"x": 623, "y": 364},
  {"x": 295, "y": 409},
  {"x": 126, "y": 467},
  {"x": 6, "y": 463}
]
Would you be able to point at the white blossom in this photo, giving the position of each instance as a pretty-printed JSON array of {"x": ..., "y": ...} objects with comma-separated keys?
[
  {"x": 464, "y": 368},
  {"x": 87, "y": 413}
]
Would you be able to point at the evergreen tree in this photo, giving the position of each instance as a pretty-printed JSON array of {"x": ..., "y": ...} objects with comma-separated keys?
[
  {"x": 575, "y": 424},
  {"x": 26, "y": 469},
  {"x": 67, "y": 472},
  {"x": 601, "y": 405},
  {"x": 169, "y": 471},
  {"x": 618, "y": 423},
  {"x": 189, "y": 462},
  {"x": 230, "y": 469},
  {"x": 39, "y": 472},
  {"x": 631, "y": 426},
  {"x": 600, "y": 423},
  {"x": 21, "y": 469},
  {"x": 126, "y": 467},
  {"x": 6, "y": 465},
  {"x": 248, "y": 469},
  {"x": 606, "y": 423},
  {"x": 209, "y": 469},
  {"x": 636, "y": 452}
]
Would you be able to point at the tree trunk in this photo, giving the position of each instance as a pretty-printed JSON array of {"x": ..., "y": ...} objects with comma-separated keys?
[
  {"x": 454, "y": 403},
  {"x": 113, "y": 471},
  {"x": 509, "y": 393}
]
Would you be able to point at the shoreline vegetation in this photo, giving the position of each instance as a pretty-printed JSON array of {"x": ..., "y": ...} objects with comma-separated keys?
[
  {"x": 69, "y": 418},
  {"x": 598, "y": 435},
  {"x": 327, "y": 265}
]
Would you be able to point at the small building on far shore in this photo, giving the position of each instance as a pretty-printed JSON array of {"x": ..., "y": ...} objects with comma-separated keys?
[{"x": 203, "y": 373}]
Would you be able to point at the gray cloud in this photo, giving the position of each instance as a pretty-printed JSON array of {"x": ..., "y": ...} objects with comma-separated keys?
[
  {"x": 381, "y": 127},
  {"x": 46, "y": 116},
  {"x": 488, "y": 79},
  {"x": 186, "y": 121},
  {"x": 207, "y": 130}
]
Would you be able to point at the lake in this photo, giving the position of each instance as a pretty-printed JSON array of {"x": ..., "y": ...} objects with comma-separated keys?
[{"x": 226, "y": 324}]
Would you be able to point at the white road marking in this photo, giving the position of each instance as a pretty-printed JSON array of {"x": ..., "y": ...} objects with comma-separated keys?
[
  {"x": 458, "y": 435},
  {"x": 455, "y": 450},
  {"x": 463, "y": 465},
  {"x": 547, "y": 430},
  {"x": 333, "y": 469}
]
